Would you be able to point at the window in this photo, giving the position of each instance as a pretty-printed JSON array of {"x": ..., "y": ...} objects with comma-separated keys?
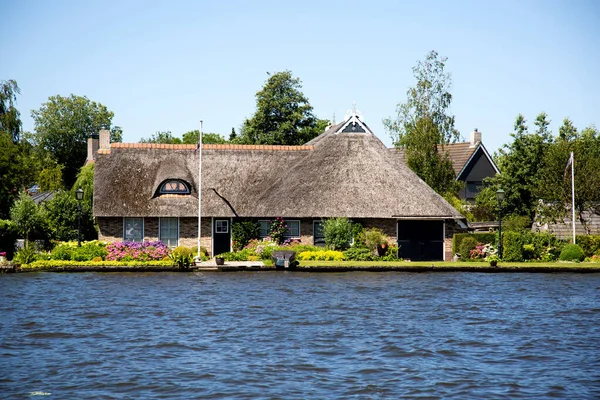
[
  {"x": 133, "y": 229},
  {"x": 221, "y": 226},
  {"x": 318, "y": 234},
  {"x": 265, "y": 227},
  {"x": 169, "y": 231},
  {"x": 174, "y": 186},
  {"x": 293, "y": 229}
]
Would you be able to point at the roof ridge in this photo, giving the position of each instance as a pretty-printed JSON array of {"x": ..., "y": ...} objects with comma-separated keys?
[{"x": 227, "y": 146}]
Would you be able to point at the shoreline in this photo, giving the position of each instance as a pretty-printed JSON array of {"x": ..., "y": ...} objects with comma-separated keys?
[{"x": 323, "y": 267}]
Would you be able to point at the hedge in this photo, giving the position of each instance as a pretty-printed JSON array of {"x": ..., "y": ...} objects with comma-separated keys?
[
  {"x": 590, "y": 244},
  {"x": 8, "y": 236},
  {"x": 486, "y": 238}
]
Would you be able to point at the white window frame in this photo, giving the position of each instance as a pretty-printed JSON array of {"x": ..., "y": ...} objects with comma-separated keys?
[
  {"x": 217, "y": 225},
  {"x": 268, "y": 228},
  {"x": 160, "y": 229},
  {"x": 289, "y": 236},
  {"x": 125, "y": 225}
]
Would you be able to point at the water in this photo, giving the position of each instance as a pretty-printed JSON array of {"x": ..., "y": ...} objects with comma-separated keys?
[{"x": 282, "y": 335}]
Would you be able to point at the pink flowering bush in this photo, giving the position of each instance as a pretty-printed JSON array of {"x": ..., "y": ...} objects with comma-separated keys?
[
  {"x": 134, "y": 251},
  {"x": 481, "y": 251}
]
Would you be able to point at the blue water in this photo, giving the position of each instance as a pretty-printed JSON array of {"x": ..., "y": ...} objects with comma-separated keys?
[{"x": 293, "y": 335}]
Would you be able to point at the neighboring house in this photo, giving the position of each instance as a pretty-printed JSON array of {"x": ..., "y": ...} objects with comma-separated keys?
[
  {"x": 471, "y": 163},
  {"x": 150, "y": 191}
]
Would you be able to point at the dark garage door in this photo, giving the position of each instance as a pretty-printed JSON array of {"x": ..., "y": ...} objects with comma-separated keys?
[{"x": 421, "y": 240}]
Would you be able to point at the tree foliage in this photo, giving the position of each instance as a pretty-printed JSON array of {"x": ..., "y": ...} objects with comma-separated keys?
[
  {"x": 191, "y": 137},
  {"x": 10, "y": 117},
  {"x": 25, "y": 215},
  {"x": 164, "y": 137},
  {"x": 60, "y": 215},
  {"x": 63, "y": 125},
  {"x": 554, "y": 186},
  {"x": 283, "y": 114},
  {"x": 18, "y": 170},
  {"x": 423, "y": 125},
  {"x": 520, "y": 163}
]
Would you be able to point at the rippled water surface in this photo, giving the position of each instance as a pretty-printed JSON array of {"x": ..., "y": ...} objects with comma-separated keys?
[{"x": 299, "y": 335}]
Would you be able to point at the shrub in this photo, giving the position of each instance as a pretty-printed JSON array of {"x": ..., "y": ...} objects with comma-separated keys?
[
  {"x": 572, "y": 252},
  {"x": 338, "y": 233},
  {"x": 358, "y": 235},
  {"x": 359, "y": 254},
  {"x": 26, "y": 255},
  {"x": 322, "y": 255},
  {"x": 590, "y": 244},
  {"x": 235, "y": 256},
  {"x": 482, "y": 251},
  {"x": 242, "y": 232},
  {"x": 277, "y": 230},
  {"x": 97, "y": 259},
  {"x": 512, "y": 246},
  {"x": 89, "y": 251},
  {"x": 63, "y": 251},
  {"x": 8, "y": 236},
  {"x": 129, "y": 251},
  {"x": 182, "y": 256},
  {"x": 485, "y": 238},
  {"x": 466, "y": 245},
  {"x": 374, "y": 238},
  {"x": 391, "y": 255}
]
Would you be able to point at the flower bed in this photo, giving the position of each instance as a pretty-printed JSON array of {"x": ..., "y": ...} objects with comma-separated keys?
[{"x": 134, "y": 251}]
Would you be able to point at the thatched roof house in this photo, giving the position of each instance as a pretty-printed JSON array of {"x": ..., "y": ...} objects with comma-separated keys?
[{"x": 150, "y": 191}]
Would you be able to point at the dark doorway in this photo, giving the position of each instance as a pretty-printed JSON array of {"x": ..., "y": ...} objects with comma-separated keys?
[
  {"x": 221, "y": 236},
  {"x": 421, "y": 240}
]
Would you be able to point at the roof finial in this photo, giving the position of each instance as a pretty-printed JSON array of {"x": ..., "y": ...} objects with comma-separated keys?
[
  {"x": 333, "y": 120},
  {"x": 354, "y": 108}
]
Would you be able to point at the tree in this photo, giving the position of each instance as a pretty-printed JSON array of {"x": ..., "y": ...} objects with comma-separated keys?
[
  {"x": 191, "y": 137},
  {"x": 63, "y": 125},
  {"x": 520, "y": 163},
  {"x": 423, "y": 125},
  {"x": 165, "y": 137},
  {"x": 61, "y": 214},
  {"x": 232, "y": 135},
  {"x": 25, "y": 215},
  {"x": 18, "y": 170},
  {"x": 283, "y": 114},
  {"x": 554, "y": 187},
  {"x": 10, "y": 118}
]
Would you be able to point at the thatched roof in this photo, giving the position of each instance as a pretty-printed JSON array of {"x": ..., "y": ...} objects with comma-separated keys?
[{"x": 336, "y": 174}]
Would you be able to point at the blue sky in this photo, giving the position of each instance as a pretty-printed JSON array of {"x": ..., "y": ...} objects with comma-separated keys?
[{"x": 162, "y": 65}]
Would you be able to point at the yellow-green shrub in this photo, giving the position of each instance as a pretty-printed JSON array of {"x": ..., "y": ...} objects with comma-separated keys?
[{"x": 321, "y": 255}]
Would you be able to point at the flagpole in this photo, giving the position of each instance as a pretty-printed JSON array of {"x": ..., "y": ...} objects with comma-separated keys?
[
  {"x": 573, "y": 192},
  {"x": 199, "y": 189}
]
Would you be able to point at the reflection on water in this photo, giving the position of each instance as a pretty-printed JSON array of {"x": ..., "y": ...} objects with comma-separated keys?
[{"x": 299, "y": 335}]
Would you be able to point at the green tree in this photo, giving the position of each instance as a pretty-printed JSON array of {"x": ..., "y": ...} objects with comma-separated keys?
[
  {"x": 423, "y": 125},
  {"x": 338, "y": 233},
  {"x": 520, "y": 163},
  {"x": 25, "y": 215},
  {"x": 164, "y": 137},
  {"x": 283, "y": 114},
  {"x": 232, "y": 135},
  {"x": 63, "y": 125},
  {"x": 191, "y": 137},
  {"x": 10, "y": 118},
  {"x": 60, "y": 214},
  {"x": 554, "y": 186},
  {"x": 18, "y": 170}
]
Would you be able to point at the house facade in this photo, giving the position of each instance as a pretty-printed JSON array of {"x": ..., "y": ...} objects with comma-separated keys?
[{"x": 150, "y": 191}]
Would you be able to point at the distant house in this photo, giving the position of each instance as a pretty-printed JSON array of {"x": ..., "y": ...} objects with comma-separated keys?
[
  {"x": 150, "y": 191},
  {"x": 471, "y": 163}
]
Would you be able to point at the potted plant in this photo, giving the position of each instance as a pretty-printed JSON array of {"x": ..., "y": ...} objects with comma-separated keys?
[
  {"x": 220, "y": 260},
  {"x": 493, "y": 260}
]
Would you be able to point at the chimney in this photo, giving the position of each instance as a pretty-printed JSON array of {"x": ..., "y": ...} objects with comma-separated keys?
[
  {"x": 475, "y": 137},
  {"x": 92, "y": 148},
  {"x": 104, "y": 139}
]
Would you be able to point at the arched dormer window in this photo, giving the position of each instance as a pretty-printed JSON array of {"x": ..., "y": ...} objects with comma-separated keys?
[{"x": 174, "y": 186}]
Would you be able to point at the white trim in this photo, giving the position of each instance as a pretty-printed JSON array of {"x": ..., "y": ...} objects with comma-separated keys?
[
  {"x": 223, "y": 220},
  {"x": 213, "y": 227},
  {"x": 123, "y": 230},
  {"x": 479, "y": 145}
]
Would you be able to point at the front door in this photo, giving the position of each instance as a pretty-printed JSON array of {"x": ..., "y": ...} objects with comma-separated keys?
[
  {"x": 421, "y": 240},
  {"x": 221, "y": 236}
]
